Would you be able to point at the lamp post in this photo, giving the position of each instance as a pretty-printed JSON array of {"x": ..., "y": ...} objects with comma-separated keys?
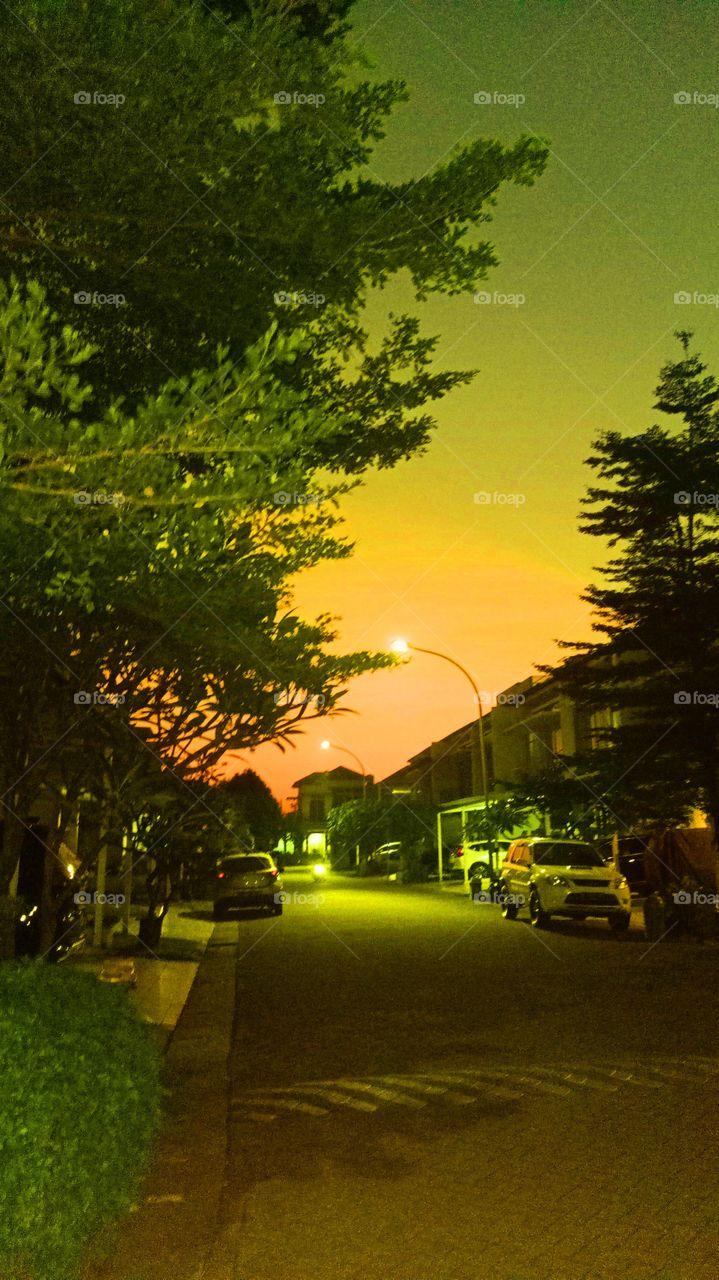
[
  {"x": 332, "y": 746},
  {"x": 404, "y": 647}
]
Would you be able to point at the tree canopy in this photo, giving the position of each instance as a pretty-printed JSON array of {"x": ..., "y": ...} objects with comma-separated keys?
[{"x": 652, "y": 675}]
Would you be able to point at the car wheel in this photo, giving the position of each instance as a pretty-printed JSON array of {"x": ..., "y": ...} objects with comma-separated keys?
[
  {"x": 620, "y": 923},
  {"x": 277, "y": 909},
  {"x": 539, "y": 917},
  {"x": 509, "y": 909}
]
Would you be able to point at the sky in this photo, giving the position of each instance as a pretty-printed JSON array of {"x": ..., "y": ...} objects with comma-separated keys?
[{"x": 612, "y": 250}]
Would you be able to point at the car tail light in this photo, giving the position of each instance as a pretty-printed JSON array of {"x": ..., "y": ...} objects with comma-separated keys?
[
  {"x": 457, "y": 853},
  {"x": 220, "y": 875},
  {"x": 274, "y": 873}
]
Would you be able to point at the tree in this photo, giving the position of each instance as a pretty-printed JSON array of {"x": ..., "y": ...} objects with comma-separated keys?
[
  {"x": 110, "y": 596},
  {"x": 369, "y": 823},
  {"x": 247, "y": 799},
  {"x": 214, "y": 209},
  {"x": 651, "y": 680},
  {"x": 499, "y": 818}
]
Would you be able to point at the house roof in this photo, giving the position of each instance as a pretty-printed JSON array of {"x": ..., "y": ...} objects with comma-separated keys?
[{"x": 340, "y": 774}]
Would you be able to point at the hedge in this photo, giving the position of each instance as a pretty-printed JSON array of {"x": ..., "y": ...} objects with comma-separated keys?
[{"x": 80, "y": 1100}]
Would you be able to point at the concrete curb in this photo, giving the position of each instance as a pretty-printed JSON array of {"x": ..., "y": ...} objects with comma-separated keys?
[{"x": 173, "y": 1227}]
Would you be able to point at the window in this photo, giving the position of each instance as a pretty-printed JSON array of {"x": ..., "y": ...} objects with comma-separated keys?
[{"x": 317, "y": 809}]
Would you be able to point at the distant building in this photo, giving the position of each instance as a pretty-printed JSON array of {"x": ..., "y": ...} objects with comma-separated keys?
[{"x": 317, "y": 793}]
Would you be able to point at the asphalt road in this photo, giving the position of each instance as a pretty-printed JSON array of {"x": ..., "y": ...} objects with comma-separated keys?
[{"x": 421, "y": 1089}]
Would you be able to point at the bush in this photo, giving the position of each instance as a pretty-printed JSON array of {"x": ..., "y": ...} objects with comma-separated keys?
[{"x": 79, "y": 1102}]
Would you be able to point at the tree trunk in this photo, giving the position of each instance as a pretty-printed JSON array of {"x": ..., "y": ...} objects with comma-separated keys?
[{"x": 8, "y": 908}]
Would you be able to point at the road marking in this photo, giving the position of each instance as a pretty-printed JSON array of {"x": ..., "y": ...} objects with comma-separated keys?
[
  {"x": 285, "y": 1104},
  {"x": 438, "y": 1090},
  {"x": 619, "y": 1073},
  {"x": 467, "y": 1085},
  {"x": 331, "y": 1095},
  {"x": 387, "y": 1095},
  {"x": 572, "y": 1078},
  {"x": 485, "y": 1086}
]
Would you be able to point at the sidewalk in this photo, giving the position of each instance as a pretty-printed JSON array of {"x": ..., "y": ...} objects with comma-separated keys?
[
  {"x": 164, "y": 980},
  {"x": 169, "y": 1234}
]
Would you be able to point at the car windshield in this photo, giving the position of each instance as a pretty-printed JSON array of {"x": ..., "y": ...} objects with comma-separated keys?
[
  {"x": 560, "y": 854},
  {"x": 247, "y": 862}
]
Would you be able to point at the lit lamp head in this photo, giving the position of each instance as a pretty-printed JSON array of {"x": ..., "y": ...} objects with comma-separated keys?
[
  {"x": 400, "y": 647},
  {"x": 326, "y": 744}
]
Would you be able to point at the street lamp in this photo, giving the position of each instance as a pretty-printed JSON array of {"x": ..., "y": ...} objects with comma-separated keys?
[
  {"x": 332, "y": 746},
  {"x": 402, "y": 646}
]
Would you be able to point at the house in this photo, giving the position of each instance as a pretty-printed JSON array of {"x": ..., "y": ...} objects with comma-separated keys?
[{"x": 317, "y": 793}]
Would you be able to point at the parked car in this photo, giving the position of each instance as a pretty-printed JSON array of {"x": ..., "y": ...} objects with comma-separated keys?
[
  {"x": 631, "y": 861},
  {"x": 475, "y": 852},
  {"x": 563, "y": 878},
  {"x": 386, "y": 859},
  {"x": 247, "y": 880}
]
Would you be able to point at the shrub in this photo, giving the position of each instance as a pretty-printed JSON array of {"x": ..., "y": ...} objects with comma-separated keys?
[{"x": 79, "y": 1102}]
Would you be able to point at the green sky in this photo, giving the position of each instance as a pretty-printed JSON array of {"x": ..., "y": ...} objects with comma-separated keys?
[{"x": 624, "y": 219}]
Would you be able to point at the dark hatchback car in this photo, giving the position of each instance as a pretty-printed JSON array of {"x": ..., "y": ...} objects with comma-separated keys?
[
  {"x": 631, "y": 861},
  {"x": 247, "y": 880}
]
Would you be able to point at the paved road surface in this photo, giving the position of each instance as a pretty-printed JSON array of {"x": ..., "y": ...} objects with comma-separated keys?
[{"x": 424, "y": 1091}]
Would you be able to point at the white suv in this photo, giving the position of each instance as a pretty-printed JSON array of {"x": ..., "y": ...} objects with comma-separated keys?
[
  {"x": 473, "y": 853},
  {"x": 562, "y": 878}
]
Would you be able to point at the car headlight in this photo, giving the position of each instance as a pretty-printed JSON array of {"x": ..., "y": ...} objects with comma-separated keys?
[
  {"x": 621, "y": 882},
  {"x": 559, "y": 882},
  {"x": 319, "y": 869}
]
